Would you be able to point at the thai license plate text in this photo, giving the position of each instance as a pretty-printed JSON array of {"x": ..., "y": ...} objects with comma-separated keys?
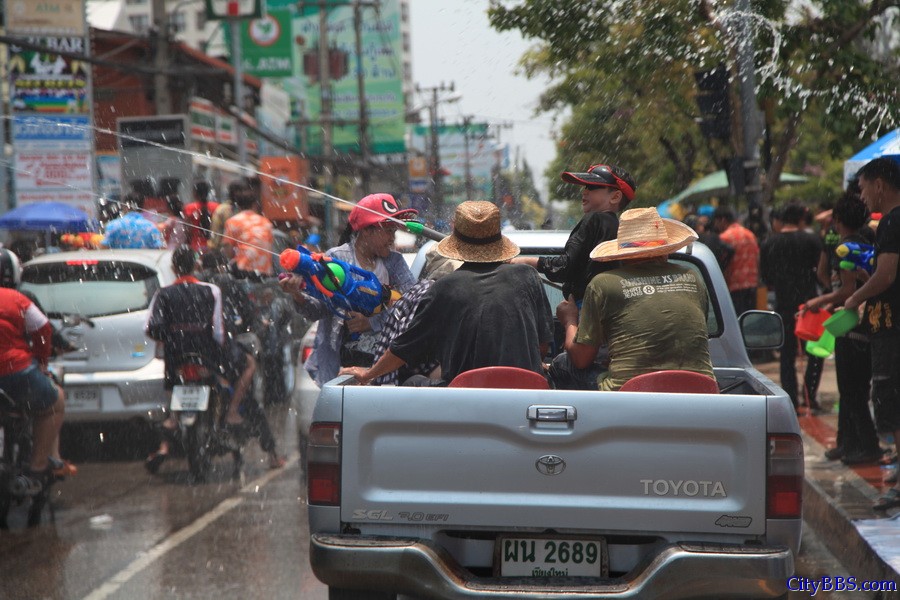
[
  {"x": 552, "y": 557},
  {"x": 190, "y": 397},
  {"x": 82, "y": 399}
]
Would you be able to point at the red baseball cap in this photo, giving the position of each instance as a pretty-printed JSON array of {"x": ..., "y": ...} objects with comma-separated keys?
[{"x": 381, "y": 208}]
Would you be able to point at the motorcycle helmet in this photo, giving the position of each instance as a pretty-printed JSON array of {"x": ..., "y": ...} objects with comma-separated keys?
[{"x": 10, "y": 269}]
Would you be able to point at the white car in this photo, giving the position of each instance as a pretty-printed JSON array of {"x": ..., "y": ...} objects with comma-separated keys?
[{"x": 116, "y": 373}]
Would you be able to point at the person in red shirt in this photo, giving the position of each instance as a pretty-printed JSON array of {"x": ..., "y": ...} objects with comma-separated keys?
[
  {"x": 742, "y": 272},
  {"x": 198, "y": 216},
  {"x": 25, "y": 346}
]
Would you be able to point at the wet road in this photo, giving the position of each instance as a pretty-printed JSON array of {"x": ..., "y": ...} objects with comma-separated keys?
[{"x": 120, "y": 533}]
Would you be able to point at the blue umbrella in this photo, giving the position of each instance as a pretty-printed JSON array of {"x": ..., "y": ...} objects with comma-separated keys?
[
  {"x": 44, "y": 216},
  {"x": 887, "y": 145}
]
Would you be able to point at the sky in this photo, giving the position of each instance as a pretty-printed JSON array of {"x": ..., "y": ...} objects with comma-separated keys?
[{"x": 453, "y": 42}]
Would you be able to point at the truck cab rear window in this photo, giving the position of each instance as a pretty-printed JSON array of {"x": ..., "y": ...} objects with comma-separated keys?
[{"x": 91, "y": 289}]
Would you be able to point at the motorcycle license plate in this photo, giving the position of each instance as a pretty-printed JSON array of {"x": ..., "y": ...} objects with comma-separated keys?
[
  {"x": 190, "y": 397},
  {"x": 551, "y": 557}
]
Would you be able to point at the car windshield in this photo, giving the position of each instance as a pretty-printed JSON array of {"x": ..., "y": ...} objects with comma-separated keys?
[{"x": 90, "y": 288}]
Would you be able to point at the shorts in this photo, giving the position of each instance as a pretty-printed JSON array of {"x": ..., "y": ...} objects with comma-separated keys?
[
  {"x": 30, "y": 389},
  {"x": 886, "y": 381}
]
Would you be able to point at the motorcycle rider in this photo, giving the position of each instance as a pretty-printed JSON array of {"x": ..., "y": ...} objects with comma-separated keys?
[
  {"x": 187, "y": 317},
  {"x": 240, "y": 316},
  {"x": 23, "y": 370}
]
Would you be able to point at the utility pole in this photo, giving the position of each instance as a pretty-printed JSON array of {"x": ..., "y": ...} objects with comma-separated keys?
[
  {"x": 497, "y": 176},
  {"x": 238, "y": 98},
  {"x": 327, "y": 125},
  {"x": 435, "y": 162},
  {"x": 361, "y": 87},
  {"x": 750, "y": 120},
  {"x": 162, "y": 97},
  {"x": 468, "y": 171}
]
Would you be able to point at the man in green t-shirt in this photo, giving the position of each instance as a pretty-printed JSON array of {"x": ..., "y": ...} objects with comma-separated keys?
[{"x": 649, "y": 312}]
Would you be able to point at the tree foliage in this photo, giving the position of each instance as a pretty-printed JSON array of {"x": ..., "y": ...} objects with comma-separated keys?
[{"x": 623, "y": 72}]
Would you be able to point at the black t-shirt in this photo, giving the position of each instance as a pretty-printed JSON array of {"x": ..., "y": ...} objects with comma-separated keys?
[
  {"x": 788, "y": 263},
  {"x": 883, "y": 310},
  {"x": 482, "y": 315},
  {"x": 187, "y": 318},
  {"x": 574, "y": 267}
]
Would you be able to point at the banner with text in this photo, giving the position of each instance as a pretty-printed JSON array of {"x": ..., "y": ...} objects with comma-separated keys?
[{"x": 50, "y": 131}]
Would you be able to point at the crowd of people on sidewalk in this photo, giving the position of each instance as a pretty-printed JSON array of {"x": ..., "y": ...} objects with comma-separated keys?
[{"x": 797, "y": 262}]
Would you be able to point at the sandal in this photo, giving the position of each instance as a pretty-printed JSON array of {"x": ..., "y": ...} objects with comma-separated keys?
[
  {"x": 62, "y": 468},
  {"x": 890, "y": 499}
]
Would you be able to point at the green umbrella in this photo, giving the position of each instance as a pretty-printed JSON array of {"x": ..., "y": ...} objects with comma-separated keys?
[{"x": 716, "y": 184}]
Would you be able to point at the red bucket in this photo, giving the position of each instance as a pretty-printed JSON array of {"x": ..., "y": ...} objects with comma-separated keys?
[{"x": 811, "y": 323}]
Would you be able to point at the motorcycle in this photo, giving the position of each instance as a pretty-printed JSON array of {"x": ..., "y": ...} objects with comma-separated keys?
[
  {"x": 16, "y": 441},
  {"x": 199, "y": 403},
  {"x": 15, "y": 457}
]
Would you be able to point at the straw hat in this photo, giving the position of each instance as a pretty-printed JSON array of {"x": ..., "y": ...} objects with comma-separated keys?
[
  {"x": 476, "y": 235},
  {"x": 644, "y": 234}
]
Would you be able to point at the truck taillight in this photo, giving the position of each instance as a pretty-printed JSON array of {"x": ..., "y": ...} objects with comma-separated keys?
[
  {"x": 323, "y": 464},
  {"x": 784, "y": 476}
]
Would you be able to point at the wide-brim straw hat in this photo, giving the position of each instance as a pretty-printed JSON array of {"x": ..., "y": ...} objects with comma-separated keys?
[
  {"x": 476, "y": 235},
  {"x": 644, "y": 234}
]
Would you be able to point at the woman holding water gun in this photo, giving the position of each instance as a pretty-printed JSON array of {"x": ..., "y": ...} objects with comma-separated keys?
[
  {"x": 350, "y": 342},
  {"x": 857, "y": 441}
]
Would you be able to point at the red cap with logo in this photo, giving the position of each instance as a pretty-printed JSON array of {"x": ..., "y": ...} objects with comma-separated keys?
[{"x": 381, "y": 208}]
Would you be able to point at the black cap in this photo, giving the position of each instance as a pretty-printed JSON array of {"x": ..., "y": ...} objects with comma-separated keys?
[{"x": 604, "y": 175}]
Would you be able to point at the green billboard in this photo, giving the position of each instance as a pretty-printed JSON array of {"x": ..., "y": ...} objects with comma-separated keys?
[{"x": 382, "y": 67}]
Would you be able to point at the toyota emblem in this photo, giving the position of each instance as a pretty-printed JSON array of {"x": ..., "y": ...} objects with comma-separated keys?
[{"x": 550, "y": 464}]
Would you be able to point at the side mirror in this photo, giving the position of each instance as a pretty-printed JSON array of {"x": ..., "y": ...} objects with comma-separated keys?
[{"x": 761, "y": 330}]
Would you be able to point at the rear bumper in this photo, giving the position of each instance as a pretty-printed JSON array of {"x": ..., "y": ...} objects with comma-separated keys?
[
  {"x": 123, "y": 395},
  {"x": 417, "y": 567}
]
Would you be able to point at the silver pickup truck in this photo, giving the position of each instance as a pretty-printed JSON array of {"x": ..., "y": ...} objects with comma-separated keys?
[{"x": 516, "y": 493}]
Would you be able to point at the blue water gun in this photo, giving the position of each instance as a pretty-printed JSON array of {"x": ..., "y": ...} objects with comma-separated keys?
[
  {"x": 854, "y": 254},
  {"x": 343, "y": 287}
]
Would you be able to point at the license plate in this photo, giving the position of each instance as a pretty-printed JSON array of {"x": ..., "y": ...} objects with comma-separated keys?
[
  {"x": 190, "y": 397},
  {"x": 551, "y": 557},
  {"x": 82, "y": 399}
]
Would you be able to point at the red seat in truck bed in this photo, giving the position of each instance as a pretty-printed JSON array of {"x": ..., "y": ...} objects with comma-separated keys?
[
  {"x": 500, "y": 377},
  {"x": 686, "y": 382}
]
